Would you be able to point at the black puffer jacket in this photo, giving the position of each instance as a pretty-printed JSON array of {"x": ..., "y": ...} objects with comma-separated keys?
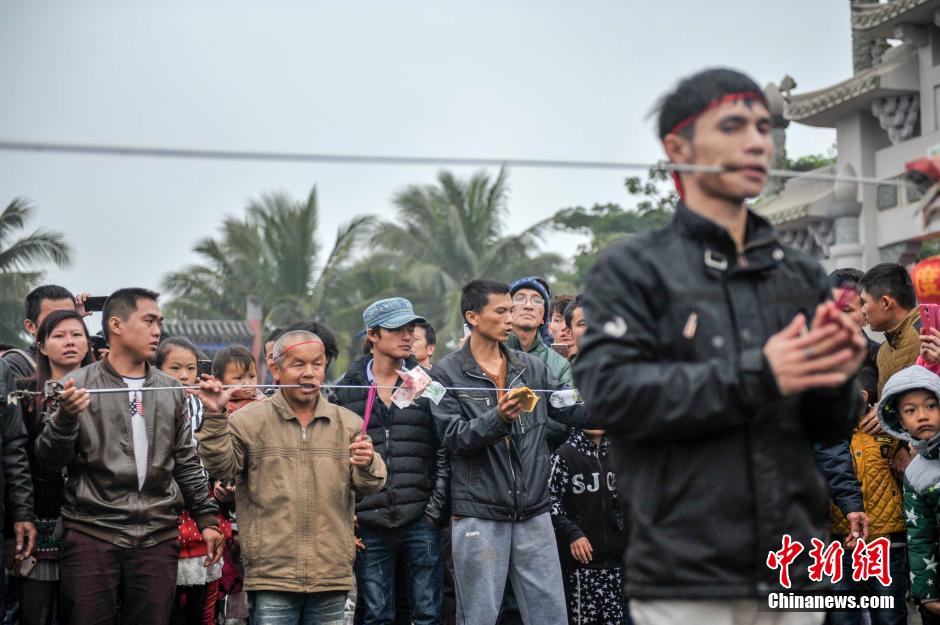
[
  {"x": 716, "y": 466},
  {"x": 499, "y": 471},
  {"x": 417, "y": 465}
]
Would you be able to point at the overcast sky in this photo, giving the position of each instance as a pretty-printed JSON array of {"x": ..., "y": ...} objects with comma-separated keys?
[{"x": 543, "y": 80}]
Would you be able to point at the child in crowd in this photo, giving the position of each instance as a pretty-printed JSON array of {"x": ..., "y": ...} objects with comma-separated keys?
[
  {"x": 589, "y": 527},
  {"x": 910, "y": 410},
  {"x": 236, "y": 365},
  {"x": 882, "y": 498},
  {"x": 197, "y": 586}
]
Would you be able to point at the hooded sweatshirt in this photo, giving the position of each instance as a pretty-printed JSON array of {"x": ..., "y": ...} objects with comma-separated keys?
[{"x": 921, "y": 481}]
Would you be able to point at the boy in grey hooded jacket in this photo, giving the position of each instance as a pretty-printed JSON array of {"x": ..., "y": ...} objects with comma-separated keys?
[{"x": 910, "y": 410}]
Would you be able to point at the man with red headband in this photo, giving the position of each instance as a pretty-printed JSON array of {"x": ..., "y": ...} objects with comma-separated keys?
[
  {"x": 298, "y": 462},
  {"x": 715, "y": 360}
]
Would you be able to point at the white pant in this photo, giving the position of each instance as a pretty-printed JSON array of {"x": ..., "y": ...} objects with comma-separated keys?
[{"x": 724, "y": 612}]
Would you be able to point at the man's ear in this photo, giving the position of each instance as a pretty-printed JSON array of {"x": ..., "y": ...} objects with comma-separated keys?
[
  {"x": 114, "y": 325},
  {"x": 471, "y": 319},
  {"x": 431, "y": 350},
  {"x": 678, "y": 148},
  {"x": 886, "y": 302},
  {"x": 30, "y": 327}
]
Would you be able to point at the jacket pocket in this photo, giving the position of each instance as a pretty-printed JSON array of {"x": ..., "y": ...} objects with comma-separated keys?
[{"x": 478, "y": 399}]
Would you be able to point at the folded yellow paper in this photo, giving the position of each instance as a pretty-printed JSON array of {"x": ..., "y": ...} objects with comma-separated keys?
[{"x": 527, "y": 398}]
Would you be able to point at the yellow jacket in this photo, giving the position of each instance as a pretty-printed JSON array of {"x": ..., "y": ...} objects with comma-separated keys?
[
  {"x": 293, "y": 491},
  {"x": 881, "y": 492}
]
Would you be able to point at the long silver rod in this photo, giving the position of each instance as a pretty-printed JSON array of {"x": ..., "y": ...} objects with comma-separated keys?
[
  {"x": 100, "y": 391},
  {"x": 375, "y": 159}
]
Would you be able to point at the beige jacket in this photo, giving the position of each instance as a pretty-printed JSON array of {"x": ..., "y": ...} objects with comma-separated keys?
[{"x": 295, "y": 491}]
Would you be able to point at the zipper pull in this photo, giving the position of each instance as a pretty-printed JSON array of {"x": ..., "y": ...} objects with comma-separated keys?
[{"x": 303, "y": 434}]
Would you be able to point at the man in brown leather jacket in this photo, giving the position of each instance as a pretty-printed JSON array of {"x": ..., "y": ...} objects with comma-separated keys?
[{"x": 132, "y": 468}]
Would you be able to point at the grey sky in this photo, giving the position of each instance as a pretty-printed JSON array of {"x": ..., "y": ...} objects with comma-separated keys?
[{"x": 572, "y": 80}]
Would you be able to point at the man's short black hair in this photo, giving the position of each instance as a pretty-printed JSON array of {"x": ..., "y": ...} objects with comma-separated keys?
[
  {"x": 868, "y": 379},
  {"x": 238, "y": 354},
  {"x": 560, "y": 304},
  {"x": 429, "y": 333},
  {"x": 476, "y": 293},
  {"x": 46, "y": 291},
  {"x": 325, "y": 335},
  {"x": 571, "y": 307},
  {"x": 695, "y": 93},
  {"x": 275, "y": 334},
  {"x": 122, "y": 303},
  {"x": 847, "y": 278},
  {"x": 892, "y": 280}
]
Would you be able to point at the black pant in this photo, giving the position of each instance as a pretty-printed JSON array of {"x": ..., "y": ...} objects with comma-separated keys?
[{"x": 95, "y": 574}]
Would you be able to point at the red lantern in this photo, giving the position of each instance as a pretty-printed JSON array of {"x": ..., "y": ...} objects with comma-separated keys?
[{"x": 926, "y": 278}]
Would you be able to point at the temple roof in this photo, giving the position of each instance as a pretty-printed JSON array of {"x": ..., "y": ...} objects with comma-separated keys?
[
  {"x": 211, "y": 335},
  {"x": 896, "y": 75},
  {"x": 880, "y": 20},
  {"x": 800, "y": 199}
]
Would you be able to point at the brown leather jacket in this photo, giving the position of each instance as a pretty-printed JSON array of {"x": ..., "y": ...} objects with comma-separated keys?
[
  {"x": 102, "y": 498},
  {"x": 294, "y": 491}
]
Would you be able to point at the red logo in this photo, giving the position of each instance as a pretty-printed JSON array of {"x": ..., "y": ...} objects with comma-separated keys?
[
  {"x": 870, "y": 560},
  {"x": 784, "y": 558}
]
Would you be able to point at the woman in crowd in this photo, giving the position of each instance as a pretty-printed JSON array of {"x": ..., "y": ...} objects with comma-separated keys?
[{"x": 62, "y": 347}]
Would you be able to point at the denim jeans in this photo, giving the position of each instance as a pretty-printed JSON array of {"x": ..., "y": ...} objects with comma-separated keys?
[
  {"x": 898, "y": 588},
  {"x": 297, "y": 608},
  {"x": 419, "y": 544}
]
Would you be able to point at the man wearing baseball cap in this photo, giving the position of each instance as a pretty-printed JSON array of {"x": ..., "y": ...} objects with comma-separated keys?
[{"x": 400, "y": 525}]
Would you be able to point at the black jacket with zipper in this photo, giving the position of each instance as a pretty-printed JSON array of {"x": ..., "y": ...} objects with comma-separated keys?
[
  {"x": 499, "y": 470},
  {"x": 418, "y": 466},
  {"x": 715, "y": 464}
]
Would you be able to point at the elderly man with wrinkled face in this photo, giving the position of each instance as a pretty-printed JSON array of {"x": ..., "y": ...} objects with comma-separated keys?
[{"x": 298, "y": 462}]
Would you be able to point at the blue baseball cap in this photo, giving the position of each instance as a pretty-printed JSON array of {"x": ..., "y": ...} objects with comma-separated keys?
[{"x": 391, "y": 313}]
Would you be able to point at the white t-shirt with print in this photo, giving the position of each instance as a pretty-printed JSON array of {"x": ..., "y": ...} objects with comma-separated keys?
[{"x": 138, "y": 427}]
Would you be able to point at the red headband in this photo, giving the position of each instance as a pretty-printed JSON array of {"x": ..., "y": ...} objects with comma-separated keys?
[
  {"x": 290, "y": 347},
  {"x": 726, "y": 99}
]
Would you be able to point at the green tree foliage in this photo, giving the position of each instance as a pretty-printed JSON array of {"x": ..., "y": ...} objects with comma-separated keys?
[
  {"x": 447, "y": 234},
  {"x": 606, "y": 223},
  {"x": 272, "y": 253},
  {"x": 20, "y": 259}
]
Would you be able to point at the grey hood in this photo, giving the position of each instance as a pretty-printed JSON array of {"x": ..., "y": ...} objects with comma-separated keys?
[{"x": 909, "y": 379}]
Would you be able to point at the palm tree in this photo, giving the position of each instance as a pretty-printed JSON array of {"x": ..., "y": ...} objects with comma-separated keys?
[
  {"x": 19, "y": 261},
  {"x": 271, "y": 254},
  {"x": 447, "y": 234}
]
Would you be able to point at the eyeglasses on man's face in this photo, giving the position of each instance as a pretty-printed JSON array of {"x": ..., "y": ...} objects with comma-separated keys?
[{"x": 535, "y": 300}]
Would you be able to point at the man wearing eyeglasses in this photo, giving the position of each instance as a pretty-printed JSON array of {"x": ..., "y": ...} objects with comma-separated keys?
[{"x": 531, "y": 311}]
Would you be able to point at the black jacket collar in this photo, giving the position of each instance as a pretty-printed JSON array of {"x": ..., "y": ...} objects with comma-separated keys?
[
  {"x": 514, "y": 366},
  {"x": 761, "y": 249}
]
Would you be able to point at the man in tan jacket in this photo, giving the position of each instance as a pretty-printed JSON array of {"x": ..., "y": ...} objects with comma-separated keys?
[
  {"x": 890, "y": 306},
  {"x": 298, "y": 461}
]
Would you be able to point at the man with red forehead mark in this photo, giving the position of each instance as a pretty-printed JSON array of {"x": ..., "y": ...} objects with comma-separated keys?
[
  {"x": 298, "y": 462},
  {"x": 714, "y": 359}
]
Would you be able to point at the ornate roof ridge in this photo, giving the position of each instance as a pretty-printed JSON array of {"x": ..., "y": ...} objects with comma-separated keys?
[
  {"x": 866, "y": 17},
  {"x": 805, "y": 105}
]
